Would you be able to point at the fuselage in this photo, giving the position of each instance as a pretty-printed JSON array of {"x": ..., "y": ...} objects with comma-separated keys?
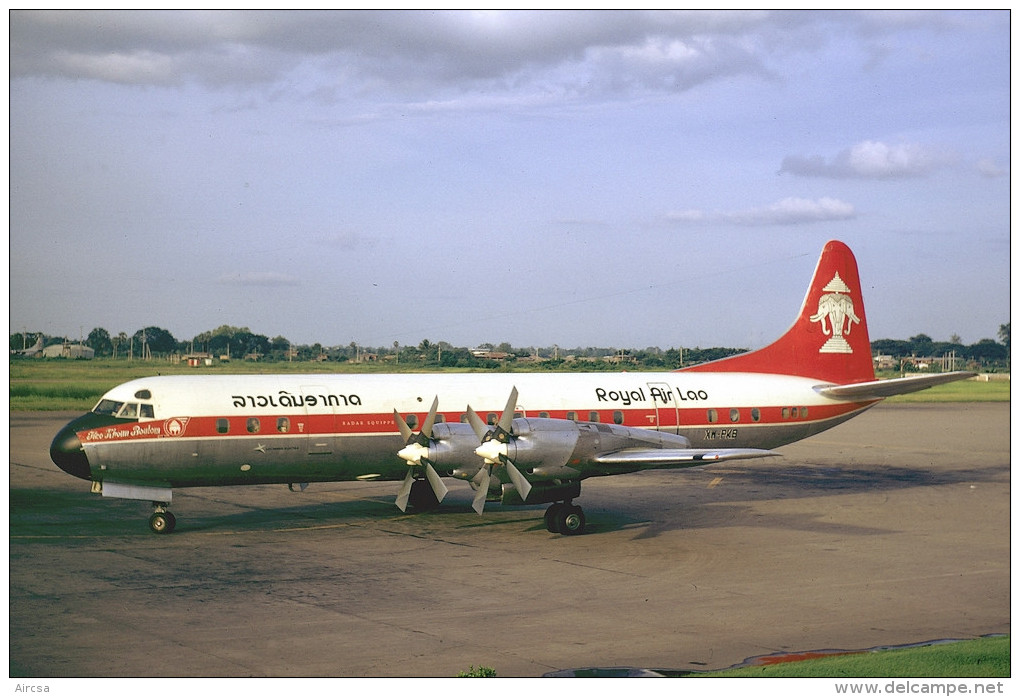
[{"x": 179, "y": 431}]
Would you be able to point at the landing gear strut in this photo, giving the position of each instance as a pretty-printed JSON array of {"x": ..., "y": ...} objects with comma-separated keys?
[
  {"x": 422, "y": 497},
  {"x": 565, "y": 518},
  {"x": 162, "y": 521}
]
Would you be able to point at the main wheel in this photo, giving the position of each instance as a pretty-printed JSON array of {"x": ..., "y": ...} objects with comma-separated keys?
[
  {"x": 570, "y": 520},
  {"x": 551, "y": 517},
  {"x": 162, "y": 522}
]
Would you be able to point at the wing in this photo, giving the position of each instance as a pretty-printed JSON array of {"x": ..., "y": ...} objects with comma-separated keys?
[
  {"x": 879, "y": 389},
  {"x": 678, "y": 457}
]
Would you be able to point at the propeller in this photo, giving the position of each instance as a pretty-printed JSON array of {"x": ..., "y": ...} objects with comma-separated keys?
[
  {"x": 415, "y": 453},
  {"x": 494, "y": 451}
]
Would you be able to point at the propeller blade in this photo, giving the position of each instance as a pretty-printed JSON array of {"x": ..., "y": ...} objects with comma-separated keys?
[
  {"x": 405, "y": 491},
  {"x": 522, "y": 485},
  {"x": 430, "y": 420},
  {"x": 506, "y": 419},
  {"x": 415, "y": 453},
  {"x": 480, "y": 427},
  {"x": 436, "y": 482},
  {"x": 405, "y": 430},
  {"x": 482, "y": 473},
  {"x": 483, "y": 490}
]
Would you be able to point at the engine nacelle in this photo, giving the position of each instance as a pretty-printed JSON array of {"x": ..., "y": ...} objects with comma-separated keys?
[
  {"x": 544, "y": 450},
  {"x": 452, "y": 450}
]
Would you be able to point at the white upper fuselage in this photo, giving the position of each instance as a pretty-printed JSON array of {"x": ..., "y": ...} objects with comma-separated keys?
[{"x": 742, "y": 409}]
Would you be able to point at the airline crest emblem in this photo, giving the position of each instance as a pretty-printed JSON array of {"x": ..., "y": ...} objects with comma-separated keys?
[
  {"x": 836, "y": 316},
  {"x": 175, "y": 427}
]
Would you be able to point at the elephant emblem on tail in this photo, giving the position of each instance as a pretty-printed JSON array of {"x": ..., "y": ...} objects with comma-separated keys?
[{"x": 836, "y": 316}]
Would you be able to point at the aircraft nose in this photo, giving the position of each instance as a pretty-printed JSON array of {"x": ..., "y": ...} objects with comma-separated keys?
[{"x": 67, "y": 453}]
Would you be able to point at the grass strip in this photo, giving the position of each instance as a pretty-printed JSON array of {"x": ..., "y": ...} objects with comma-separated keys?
[{"x": 987, "y": 657}]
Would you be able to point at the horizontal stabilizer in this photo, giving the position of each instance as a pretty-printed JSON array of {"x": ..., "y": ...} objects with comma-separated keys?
[
  {"x": 879, "y": 389},
  {"x": 678, "y": 457}
]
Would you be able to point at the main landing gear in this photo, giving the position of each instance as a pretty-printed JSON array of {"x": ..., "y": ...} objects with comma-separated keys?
[
  {"x": 565, "y": 518},
  {"x": 422, "y": 496},
  {"x": 162, "y": 521}
]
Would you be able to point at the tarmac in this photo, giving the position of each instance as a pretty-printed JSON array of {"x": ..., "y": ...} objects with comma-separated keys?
[{"x": 890, "y": 529}]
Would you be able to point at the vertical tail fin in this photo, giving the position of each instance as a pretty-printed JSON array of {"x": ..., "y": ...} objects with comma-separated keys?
[{"x": 829, "y": 341}]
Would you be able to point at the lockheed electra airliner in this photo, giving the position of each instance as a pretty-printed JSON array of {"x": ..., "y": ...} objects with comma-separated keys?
[{"x": 517, "y": 438}]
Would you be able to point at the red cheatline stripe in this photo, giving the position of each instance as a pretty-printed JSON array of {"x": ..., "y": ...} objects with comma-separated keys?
[{"x": 270, "y": 425}]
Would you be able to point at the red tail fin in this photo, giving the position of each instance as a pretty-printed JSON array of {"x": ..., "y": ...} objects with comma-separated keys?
[{"x": 829, "y": 340}]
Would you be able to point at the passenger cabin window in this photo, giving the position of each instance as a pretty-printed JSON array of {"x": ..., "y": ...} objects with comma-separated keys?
[
  {"x": 734, "y": 415},
  {"x": 253, "y": 425},
  {"x": 803, "y": 412},
  {"x": 571, "y": 416},
  {"x": 713, "y": 416},
  {"x": 755, "y": 414},
  {"x": 283, "y": 424},
  {"x": 593, "y": 416},
  {"x": 543, "y": 415},
  {"x": 412, "y": 420},
  {"x": 492, "y": 419},
  {"x": 222, "y": 426},
  {"x": 618, "y": 417}
]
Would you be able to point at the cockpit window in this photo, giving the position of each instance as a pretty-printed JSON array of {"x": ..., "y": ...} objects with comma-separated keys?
[
  {"x": 129, "y": 410},
  {"x": 107, "y": 406}
]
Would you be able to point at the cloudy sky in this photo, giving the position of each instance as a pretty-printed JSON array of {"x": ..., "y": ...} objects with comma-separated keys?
[{"x": 623, "y": 179}]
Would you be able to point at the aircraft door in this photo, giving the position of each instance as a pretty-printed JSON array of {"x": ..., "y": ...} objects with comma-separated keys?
[{"x": 667, "y": 410}]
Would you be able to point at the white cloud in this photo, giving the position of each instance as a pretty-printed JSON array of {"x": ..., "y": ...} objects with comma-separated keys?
[
  {"x": 871, "y": 159},
  {"x": 424, "y": 53},
  {"x": 691, "y": 215},
  {"x": 794, "y": 211},
  {"x": 788, "y": 211},
  {"x": 987, "y": 167},
  {"x": 264, "y": 279}
]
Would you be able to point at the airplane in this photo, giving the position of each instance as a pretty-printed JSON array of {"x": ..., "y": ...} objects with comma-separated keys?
[
  {"x": 32, "y": 350},
  {"x": 518, "y": 438}
]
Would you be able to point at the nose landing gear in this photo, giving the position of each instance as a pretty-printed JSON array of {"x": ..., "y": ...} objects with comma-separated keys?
[{"x": 162, "y": 521}]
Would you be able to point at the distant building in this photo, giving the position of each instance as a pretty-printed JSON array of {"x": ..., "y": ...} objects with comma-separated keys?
[
  {"x": 67, "y": 350},
  {"x": 883, "y": 362},
  {"x": 198, "y": 358}
]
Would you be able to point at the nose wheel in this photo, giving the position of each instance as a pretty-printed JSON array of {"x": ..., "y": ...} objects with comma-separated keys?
[
  {"x": 162, "y": 521},
  {"x": 565, "y": 518}
]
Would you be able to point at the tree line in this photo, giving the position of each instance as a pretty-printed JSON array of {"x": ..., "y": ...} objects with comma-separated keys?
[{"x": 240, "y": 343}]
